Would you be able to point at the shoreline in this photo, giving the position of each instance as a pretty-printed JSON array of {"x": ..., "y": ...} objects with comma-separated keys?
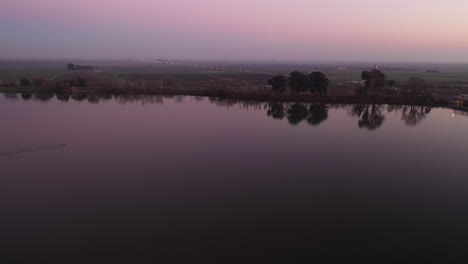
[{"x": 255, "y": 95}]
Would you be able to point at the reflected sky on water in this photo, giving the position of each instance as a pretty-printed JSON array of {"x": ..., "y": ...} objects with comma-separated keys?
[{"x": 88, "y": 178}]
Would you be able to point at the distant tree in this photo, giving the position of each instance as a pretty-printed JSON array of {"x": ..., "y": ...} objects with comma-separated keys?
[
  {"x": 373, "y": 80},
  {"x": 25, "y": 82},
  {"x": 318, "y": 83},
  {"x": 298, "y": 81},
  {"x": 71, "y": 66},
  {"x": 416, "y": 85},
  {"x": 278, "y": 83}
]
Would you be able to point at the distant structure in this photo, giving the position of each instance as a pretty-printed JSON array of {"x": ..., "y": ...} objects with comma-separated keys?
[
  {"x": 376, "y": 67},
  {"x": 76, "y": 67}
]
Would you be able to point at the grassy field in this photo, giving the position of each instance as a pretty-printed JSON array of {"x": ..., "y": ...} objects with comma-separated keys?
[{"x": 442, "y": 78}]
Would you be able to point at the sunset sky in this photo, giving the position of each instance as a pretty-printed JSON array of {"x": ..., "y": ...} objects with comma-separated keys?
[{"x": 306, "y": 30}]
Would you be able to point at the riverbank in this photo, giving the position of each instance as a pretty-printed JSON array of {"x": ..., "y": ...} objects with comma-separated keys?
[{"x": 254, "y": 95}]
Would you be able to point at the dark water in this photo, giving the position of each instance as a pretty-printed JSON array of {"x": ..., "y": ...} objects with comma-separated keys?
[{"x": 185, "y": 179}]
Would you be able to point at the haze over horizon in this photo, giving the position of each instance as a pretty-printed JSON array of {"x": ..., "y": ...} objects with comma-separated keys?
[{"x": 295, "y": 30}]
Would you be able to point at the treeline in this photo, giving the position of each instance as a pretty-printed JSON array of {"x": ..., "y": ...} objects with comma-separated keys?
[
  {"x": 315, "y": 82},
  {"x": 372, "y": 82}
]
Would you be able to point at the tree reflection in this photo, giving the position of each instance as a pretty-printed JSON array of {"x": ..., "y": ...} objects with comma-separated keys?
[
  {"x": 413, "y": 115},
  {"x": 276, "y": 110},
  {"x": 79, "y": 96},
  {"x": 297, "y": 113},
  {"x": 26, "y": 96},
  {"x": 10, "y": 96},
  {"x": 44, "y": 97},
  {"x": 65, "y": 97},
  {"x": 318, "y": 114},
  {"x": 370, "y": 116}
]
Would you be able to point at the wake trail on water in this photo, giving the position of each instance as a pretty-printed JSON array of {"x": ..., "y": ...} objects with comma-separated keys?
[{"x": 33, "y": 149}]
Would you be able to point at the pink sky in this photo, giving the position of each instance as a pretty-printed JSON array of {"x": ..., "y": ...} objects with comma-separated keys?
[{"x": 397, "y": 30}]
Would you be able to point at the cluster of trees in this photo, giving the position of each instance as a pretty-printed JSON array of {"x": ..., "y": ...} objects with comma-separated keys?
[
  {"x": 315, "y": 114},
  {"x": 315, "y": 82},
  {"x": 376, "y": 79},
  {"x": 75, "y": 67},
  {"x": 373, "y": 80}
]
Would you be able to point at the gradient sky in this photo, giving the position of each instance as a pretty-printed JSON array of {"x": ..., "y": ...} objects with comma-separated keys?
[{"x": 306, "y": 30}]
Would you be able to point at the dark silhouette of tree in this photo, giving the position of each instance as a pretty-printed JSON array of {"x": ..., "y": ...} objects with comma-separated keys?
[
  {"x": 372, "y": 119},
  {"x": 71, "y": 67},
  {"x": 370, "y": 116},
  {"x": 25, "y": 82},
  {"x": 297, "y": 81},
  {"x": 318, "y": 114},
  {"x": 79, "y": 96},
  {"x": 63, "y": 97},
  {"x": 278, "y": 83},
  {"x": 297, "y": 113},
  {"x": 373, "y": 80},
  {"x": 413, "y": 115},
  {"x": 276, "y": 110},
  {"x": 26, "y": 96},
  {"x": 416, "y": 85},
  {"x": 44, "y": 97},
  {"x": 318, "y": 83}
]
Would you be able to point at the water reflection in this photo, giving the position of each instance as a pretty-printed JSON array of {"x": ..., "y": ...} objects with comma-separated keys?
[
  {"x": 276, "y": 110},
  {"x": 369, "y": 116},
  {"x": 413, "y": 115},
  {"x": 318, "y": 114}
]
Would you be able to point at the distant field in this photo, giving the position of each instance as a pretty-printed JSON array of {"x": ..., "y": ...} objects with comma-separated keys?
[
  {"x": 31, "y": 69},
  {"x": 335, "y": 71}
]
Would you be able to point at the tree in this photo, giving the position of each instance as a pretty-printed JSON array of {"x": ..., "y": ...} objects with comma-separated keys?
[
  {"x": 278, "y": 83},
  {"x": 25, "y": 82},
  {"x": 373, "y": 80},
  {"x": 318, "y": 83},
  {"x": 416, "y": 85},
  {"x": 298, "y": 81},
  {"x": 71, "y": 66}
]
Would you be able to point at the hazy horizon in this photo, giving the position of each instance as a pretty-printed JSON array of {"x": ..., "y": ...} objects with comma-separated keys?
[{"x": 255, "y": 30}]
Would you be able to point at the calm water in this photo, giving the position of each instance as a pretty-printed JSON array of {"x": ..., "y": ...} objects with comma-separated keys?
[{"x": 135, "y": 180}]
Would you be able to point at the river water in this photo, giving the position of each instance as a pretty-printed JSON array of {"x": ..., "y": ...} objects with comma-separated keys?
[{"x": 136, "y": 179}]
